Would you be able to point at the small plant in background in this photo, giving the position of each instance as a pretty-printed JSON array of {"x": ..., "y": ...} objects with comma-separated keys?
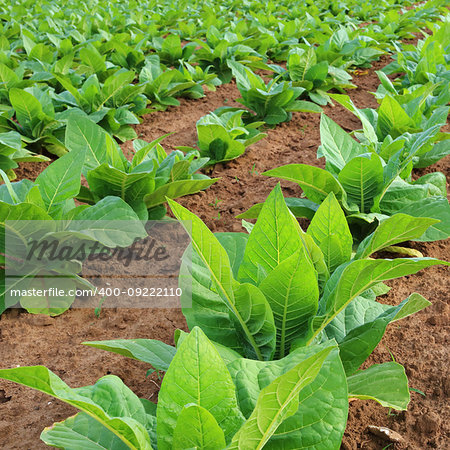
[
  {"x": 223, "y": 136},
  {"x": 145, "y": 181},
  {"x": 272, "y": 103}
]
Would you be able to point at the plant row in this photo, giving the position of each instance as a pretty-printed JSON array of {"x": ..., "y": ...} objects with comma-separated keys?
[{"x": 58, "y": 62}]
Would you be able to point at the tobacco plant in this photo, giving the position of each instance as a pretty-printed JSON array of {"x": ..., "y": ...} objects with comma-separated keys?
[
  {"x": 198, "y": 406},
  {"x": 278, "y": 294},
  {"x": 50, "y": 202},
  {"x": 317, "y": 78},
  {"x": 145, "y": 181},
  {"x": 369, "y": 188},
  {"x": 222, "y": 134},
  {"x": 272, "y": 103}
]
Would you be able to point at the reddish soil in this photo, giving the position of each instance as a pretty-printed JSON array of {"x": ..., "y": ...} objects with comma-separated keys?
[{"x": 419, "y": 343}]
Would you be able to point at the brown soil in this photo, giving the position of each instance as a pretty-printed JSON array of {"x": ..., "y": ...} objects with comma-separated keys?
[{"x": 419, "y": 343}]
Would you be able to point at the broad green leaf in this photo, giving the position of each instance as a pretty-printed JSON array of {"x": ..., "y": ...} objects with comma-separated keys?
[
  {"x": 292, "y": 292},
  {"x": 439, "y": 150},
  {"x": 105, "y": 180},
  {"x": 82, "y": 133},
  {"x": 197, "y": 428},
  {"x": 392, "y": 118},
  {"x": 196, "y": 375},
  {"x": 385, "y": 383},
  {"x": 226, "y": 353},
  {"x": 352, "y": 279},
  {"x": 255, "y": 323},
  {"x": 176, "y": 189},
  {"x": 331, "y": 233},
  {"x": 277, "y": 402},
  {"x": 61, "y": 181},
  {"x": 202, "y": 304},
  {"x": 320, "y": 420},
  {"x": 433, "y": 207},
  {"x": 395, "y": 229},
  {"x": 110, "y": 221},
  {"x": 126, "y": 427},
  {"x": 46, "y": 303},
  {"x": 244, "y": 373},
  {"x": 81, "y": 431},
  {"x": 337, "y": 147},
  {"x": 234, "y": 244},
  {"x": 274, "y": 238},
  {"x": 365, "y": 309},
  {"x": 316, "y": 183},
  {"x": 362, "y": 180},
  {"x": 92, "y": 58},
  {"x": 151, "y": 351},
  {"x": 216, "y": 260},
  {"x": 28, "y": 109},
  {"x": 360, "y": 342}
]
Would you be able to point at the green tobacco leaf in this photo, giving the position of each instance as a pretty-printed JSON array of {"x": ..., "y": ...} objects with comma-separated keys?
[
  {"x": 105, "y": 180},
  {"x": 202, "y": 304},
  {"x": 292, "y": 292},
  {"x": 234, "y": 244},
  {"x": 226, "y": 353},
  {"x": 365, "y": 309},
  {"x": 151, "y": 351},
  {"x": 110, "y": 221},
  {"x": 414, "y": 303},
  {"x": 316, "y": 183},
  {"x": 385, "y": 383},
  {"x": 109, "y": 401},
  {"x": 440, "y": 150},
  {"x": 362, "y": 179},
  {"x": 244, "y": 373},
  {"x": 436, "y": 208},
  {"x": 61, "y": 181},
  {"x": 395, "y": 229},
  {"x": 28, "y": 109},
  {"x": 82, "y": 133},
  {"x": 274, "y": 238},
  {"x": 337, "y": 147},
  {"x": 81, "y": 431},
  {"x": 46, "y": 303},
  {"x": 360, "y": 342},
  {"x": 277, "y": 402},
  {"x": 197, "y": 428},
  {"x": 215, "y": 259},
  {"x": 351, "y": 280},
  {"x": 331, "y": 233},
  {"x": 320, "y": 420},
  {"x": 197, "y": 375},
  {"x": 392, "y": 118},
  {"x": 176, "y": 189},
  {"x": 258, "y": 322}
]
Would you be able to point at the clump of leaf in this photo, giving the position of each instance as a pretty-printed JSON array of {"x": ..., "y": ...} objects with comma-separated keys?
[
  {"x": 145, "y": 181},
  {"x": 163, "y": 85},
  {"x": 370, "y": 185},
  {"x": 280, "y": 290},
  {"x": 223, "y": 135},
  {"x": 272, "y": 103},
  {"x": 317, "y": 78},
  {"x": 44, "y": 212}
]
